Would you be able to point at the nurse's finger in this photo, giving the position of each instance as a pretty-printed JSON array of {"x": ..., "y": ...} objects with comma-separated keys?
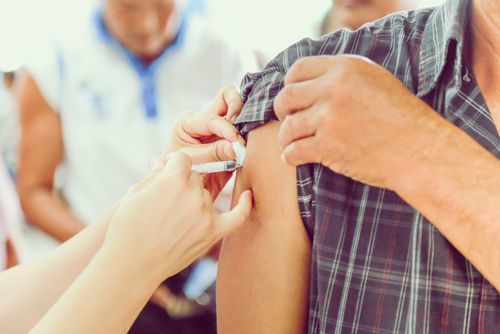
[
  {"x": 204, "y": 125},
  {"x": 177, "y": 163},
  {"x": 220, "y": 150},
  {"x": 227, "y": 102},
  {"x": 230, "y": 221},
  {"x": 156, "y": 164}
]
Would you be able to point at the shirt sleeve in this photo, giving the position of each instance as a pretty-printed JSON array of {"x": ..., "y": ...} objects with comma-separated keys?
[
  {"x": 260, "y": 89},
  {"x": 258, "y": 92}
]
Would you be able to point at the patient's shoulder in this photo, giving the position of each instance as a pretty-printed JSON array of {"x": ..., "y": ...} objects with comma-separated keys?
[
  {"x": 279, "y": 189},
  {"x": 271, "y": 180},
  {"x": 393, "y": 42}
]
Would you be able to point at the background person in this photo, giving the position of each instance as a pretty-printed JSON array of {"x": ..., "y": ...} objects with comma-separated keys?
[
  {"x": 352, "y": 14},
  {"x": 11, "y": 239},
  {"x": 182, "y": 224},
  {"x": 95, "y": 108}
]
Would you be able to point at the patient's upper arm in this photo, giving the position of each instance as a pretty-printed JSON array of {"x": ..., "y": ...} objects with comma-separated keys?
[{"x": 263, "y": 281}]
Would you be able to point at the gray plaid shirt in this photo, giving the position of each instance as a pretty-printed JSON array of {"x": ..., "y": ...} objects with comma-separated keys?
[{"x": 378, "y": 265}]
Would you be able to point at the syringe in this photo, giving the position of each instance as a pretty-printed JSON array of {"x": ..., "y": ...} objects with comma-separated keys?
[
  {"x": 215, "y": 167},
  {"x": 223, "y": 166}
]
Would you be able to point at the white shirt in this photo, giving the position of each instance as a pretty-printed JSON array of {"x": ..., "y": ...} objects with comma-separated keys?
[
  {"x": 9, "y": 128},
  {"x": 10, "y": 217},
  {"x": 115, "y": 118}
]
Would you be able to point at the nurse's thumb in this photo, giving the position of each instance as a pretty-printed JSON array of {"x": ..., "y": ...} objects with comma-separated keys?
[
  {"x": 228, "y": 222},
  {"x": 221, "y": 150}
]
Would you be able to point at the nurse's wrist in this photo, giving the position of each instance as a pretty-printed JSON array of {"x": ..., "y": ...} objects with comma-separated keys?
[{"x": 130, "y": 266}]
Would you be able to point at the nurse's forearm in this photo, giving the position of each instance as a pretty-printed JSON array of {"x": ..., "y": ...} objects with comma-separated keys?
[
  {"x": 457, "y": 187},
  {"x": 44, "y": 210},
  {"x": 30, "y": 290},
  {"x": 94, "y": 302}
]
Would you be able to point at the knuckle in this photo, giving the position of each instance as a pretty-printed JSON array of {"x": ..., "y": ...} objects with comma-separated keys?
[
  {"x": 217, "y": 152},
  {"x": 298, "y": 66},
  {"x": 324, "y": 116},
  {"x": 182, "y": 157},
  {"x": 198, "y": 202},
  {"x": 183, "y": 116},
  {"x": 206, "y": 224},
  {"x": 193, "y": 198},
  {"x": 344, "y": 73},
  {"x": 288, "y": 92},
  {"x": 290, "y": 125}
]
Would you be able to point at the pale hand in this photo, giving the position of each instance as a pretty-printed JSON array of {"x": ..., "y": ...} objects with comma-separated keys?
[
  {"x": 167, "y": 221},
  {"x": 207, "y": 136}
]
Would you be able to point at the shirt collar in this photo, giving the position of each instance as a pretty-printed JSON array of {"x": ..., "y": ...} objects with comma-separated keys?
[{"x": 442, "y": 42}]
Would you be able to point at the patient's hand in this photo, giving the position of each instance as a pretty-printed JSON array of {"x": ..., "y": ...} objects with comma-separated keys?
[
  {"x": 207, "y": 136},
  {"x": 357, "y": 119}
]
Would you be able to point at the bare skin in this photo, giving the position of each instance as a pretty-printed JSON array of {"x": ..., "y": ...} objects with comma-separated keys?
[
  {"x": 182, "y": 225},
  {"x": 41, "y": 151},
  {"x": 263, "y": 277}
]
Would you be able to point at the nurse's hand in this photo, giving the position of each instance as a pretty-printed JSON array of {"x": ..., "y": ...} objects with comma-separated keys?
[
  {"x": 207, "y": 136},
  {"x": 167, "y": 221}
]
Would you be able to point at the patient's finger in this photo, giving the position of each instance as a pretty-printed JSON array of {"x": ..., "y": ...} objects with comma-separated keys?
[
  {"x": 309, "y": 68},
  {"x": 301, "y": 152},
  {"x": 297, "y": 126},
  {"x": 295, "y": 97}
]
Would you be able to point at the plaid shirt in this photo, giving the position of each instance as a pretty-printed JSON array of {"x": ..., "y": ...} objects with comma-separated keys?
[{"x": 378, "y": 265}]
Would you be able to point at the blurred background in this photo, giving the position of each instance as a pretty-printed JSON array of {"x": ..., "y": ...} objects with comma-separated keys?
[{"x": 258, "y": 24}]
